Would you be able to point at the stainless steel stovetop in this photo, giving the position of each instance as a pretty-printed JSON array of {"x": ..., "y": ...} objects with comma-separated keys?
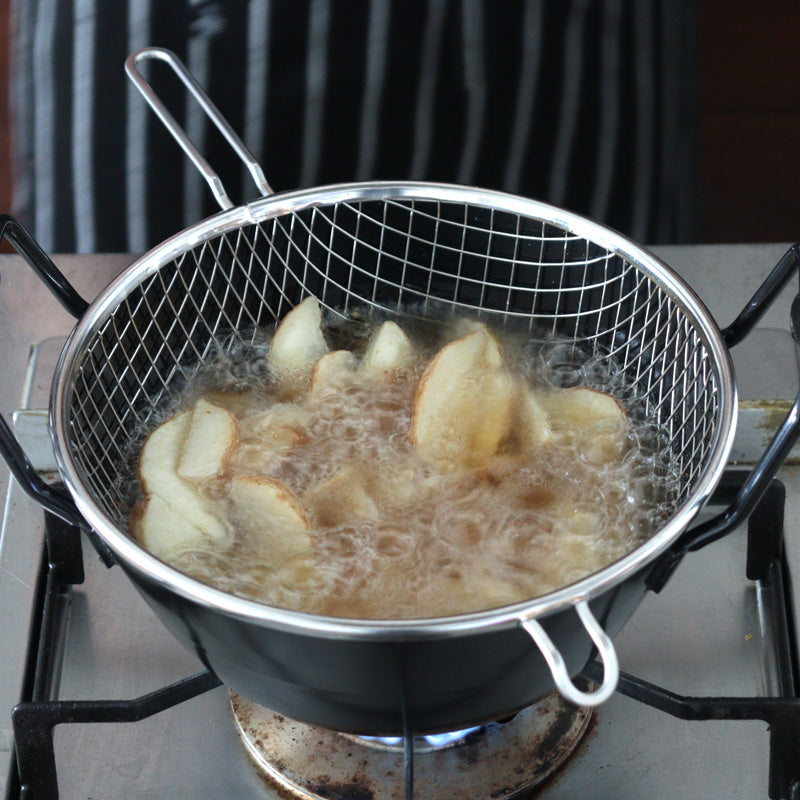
[{"x": 707, "y": 634}]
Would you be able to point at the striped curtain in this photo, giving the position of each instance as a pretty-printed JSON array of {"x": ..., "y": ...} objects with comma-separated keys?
[{"x": 587, "y": 104}]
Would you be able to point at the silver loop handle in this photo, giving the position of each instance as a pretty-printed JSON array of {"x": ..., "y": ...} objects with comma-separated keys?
[
  {"x": 558, "y": 668},
  {"x": 212, "y": 112}
]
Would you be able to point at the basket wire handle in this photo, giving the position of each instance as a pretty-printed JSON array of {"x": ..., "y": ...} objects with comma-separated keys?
[
  {"x": 212, "y": 112},
  {"x": 558, "y": 667}
]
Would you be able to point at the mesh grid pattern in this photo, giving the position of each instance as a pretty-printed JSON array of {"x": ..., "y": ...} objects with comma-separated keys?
[{"x": 390, "y": 254}]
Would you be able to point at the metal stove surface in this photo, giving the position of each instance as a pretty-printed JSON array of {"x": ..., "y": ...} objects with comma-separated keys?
[{"x": 702, "y": 636}]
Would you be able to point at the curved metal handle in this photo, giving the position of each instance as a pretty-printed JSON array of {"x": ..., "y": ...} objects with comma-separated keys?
[
  {"x": 212, "y": 112},
  {"x": 11, "y": 451},
  {"x": 24, "y": 243},
  {"x": 558, "y": 667},
  {"x": 21, "y": 468},
  {"x": 760, "y": 477},
  {"x": 762, "y": 299}
]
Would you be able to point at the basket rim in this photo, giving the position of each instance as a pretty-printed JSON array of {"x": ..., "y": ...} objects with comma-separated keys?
[{"x": 133, "y": 557}]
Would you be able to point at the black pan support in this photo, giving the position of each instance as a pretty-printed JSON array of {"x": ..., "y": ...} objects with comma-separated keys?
[
  {"x": 35, "y": 718},
  {"x": 37, "y": 715},
  {"x": 765, "y": 564}
]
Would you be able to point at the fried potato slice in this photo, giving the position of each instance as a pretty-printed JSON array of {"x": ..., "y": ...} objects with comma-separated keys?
[
  {"x": 174, "y": 514},
  {"x": 280, "y": 420},
  {"x": 491, "y": 414},
  {"x": 462, "y": 326},
  {"x": 388, "y": 350},
  {"x": 399, "y": 483},
  {"x": 341, "y": 497},
  {"x": 574, "y": 543},
  {"x": 464, "y": 403},
  {"x": 277, "y": 428},
  {"x": 532, "y": 427},
  {"x": 582, "y": 408},
  {"x": 333, "y": 371},
  {"x": 269, "y": 435},
  {"x": 596, "y": 416},
  {"x": 297, "y": 345},
  {"x": 158, "y": 460},
  {"x": 164, "y": 528},
  {"x": 210, "y": 441},
  {"x": 267, "y": 511}
]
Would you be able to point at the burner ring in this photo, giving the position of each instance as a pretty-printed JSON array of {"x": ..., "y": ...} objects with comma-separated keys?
[{"x": 502, "y": 760}]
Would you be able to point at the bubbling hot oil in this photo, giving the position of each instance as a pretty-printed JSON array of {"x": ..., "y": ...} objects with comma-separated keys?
[{"x": 435, "y": 542}]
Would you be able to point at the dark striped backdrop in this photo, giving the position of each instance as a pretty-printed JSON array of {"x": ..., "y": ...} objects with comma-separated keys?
[{"x": 588, "y": 104}]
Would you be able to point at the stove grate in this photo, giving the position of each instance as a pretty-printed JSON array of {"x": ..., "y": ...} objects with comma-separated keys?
[
  {"x": 35, "y": 718},
  {"x": 765, "y": 564}
]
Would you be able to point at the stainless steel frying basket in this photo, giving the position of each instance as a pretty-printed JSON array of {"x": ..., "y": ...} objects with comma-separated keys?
[
  {"x": 393, "y": 248},
  {"x": 390, "y": 247}
]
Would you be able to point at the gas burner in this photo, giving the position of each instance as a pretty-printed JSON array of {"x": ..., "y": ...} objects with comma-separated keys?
[{"x": 501, "y": 760}]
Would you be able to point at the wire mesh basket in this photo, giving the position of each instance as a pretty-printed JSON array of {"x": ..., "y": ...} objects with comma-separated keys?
[{"x": 395, "y": 248}]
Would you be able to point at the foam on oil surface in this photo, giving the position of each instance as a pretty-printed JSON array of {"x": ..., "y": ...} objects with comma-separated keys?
[{"x": 434, "y": 542}]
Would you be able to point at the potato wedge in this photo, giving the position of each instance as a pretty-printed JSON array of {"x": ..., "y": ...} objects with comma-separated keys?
[
  {"x": 531, "y": 426},
  {"x": 597, "y": 417},
  {"x": 399, "y": 483},
  {"x": 267, "y": 511},
  {"x": 210, "y": 441},
  {"x": 463, "y": 408},
  {"x": 491, "y": 415},
  {"x": 574, "y": 544},
  {"x": 341, "y": 497},
  {"x": 388, "y": 350},
  {"x": 270, "y": 434},
  {"x": 464, "y": 325},
  {"x": 297, "y": 345},
  {"x": 332, "y": 371},
  {"x": 583, "y": 408},
  {"x": 174, "y": 514},
  {"x": 164, "y": 528},
  {"x": 280, "y": 423},
  {"x": 158, "y": 460}
]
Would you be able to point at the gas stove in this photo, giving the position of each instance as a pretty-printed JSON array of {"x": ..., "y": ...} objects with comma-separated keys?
[{"x": 707, "y": 661}]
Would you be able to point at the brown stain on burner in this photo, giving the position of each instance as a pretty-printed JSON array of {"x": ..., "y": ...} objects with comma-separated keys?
[
  {"x": 551, "y": 780},
  {"x": 272, "y": 786},
  {"x": 354, "y": 777},
  {"x": 773, "y": 412},
  {"x": 470, "y": 747},
  {"x": 342, "y": 791}
]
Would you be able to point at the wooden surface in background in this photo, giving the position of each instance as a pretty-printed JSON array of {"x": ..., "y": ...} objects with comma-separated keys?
[{"x": 750, "y": 120}]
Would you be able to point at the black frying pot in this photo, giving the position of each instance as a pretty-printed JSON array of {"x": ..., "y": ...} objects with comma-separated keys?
[{"x": 388, "y": 245}]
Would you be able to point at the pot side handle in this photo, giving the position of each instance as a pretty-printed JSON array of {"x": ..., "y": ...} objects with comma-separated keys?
[
  {"x": 24, "y": 243},
  {"x": 766, "y": 469},
  {"x": 21, "y": 468},
  {"x": 558, "y": 667},
  {"x": 763, "y": 298},
  {"x": 211, "y": 111}
]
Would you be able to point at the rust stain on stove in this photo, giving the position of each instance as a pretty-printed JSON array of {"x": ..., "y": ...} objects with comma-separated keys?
[
  {"x": 507, "y": 759},
  {"x": 771, "y": 416},
  {"x": 551, "y": 780},
  {"x": 342, "y": 791},
  {"x": 470, "y": 747}
]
